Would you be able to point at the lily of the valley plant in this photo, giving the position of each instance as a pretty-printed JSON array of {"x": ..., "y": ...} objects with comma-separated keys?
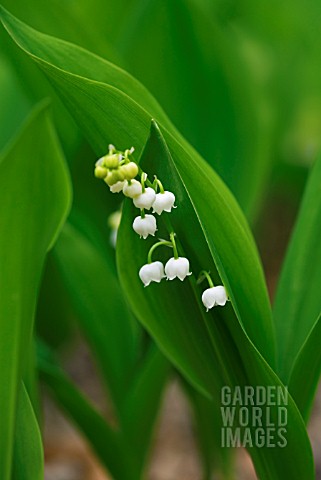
[{"x": 119, "y": 171}]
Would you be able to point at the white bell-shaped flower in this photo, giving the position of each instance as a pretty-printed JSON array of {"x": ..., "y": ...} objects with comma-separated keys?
[
  {"x": 146, "y": 199},
  {"x": 214, "y": 296},
  {"x": 164, "y": 202},
  {"x": 177, "y": 267},
  {"x": 145, "y": 226},
  {"x": 151, "y": 272},
  {"x": 132, "y": 189},
  {"x": 117, "y": 187}
]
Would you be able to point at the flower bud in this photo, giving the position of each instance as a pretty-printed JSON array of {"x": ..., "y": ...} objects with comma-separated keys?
[
  {"x": 145, "y": 226},
  {"x": 99, "y": 162},
  {"x": 117, "y": 187},
  {"x": 151, "y": 272},
  {"x": 111, "y": 178},
  {"x": 146, "y": 199},
  {"x": 100, "y": 172},
  {"x": 177, "y": 267},
  {"x": 130, "y": 170},
  {"x": 214, "y": 296},
  {"x": 114, "y": 176},
  {"x": 133, "y": 189},
  {"x": 112, "y": 161},
  {"x": 163, "y": 202}
]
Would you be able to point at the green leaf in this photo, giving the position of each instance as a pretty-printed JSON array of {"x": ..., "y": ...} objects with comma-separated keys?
[
  {"x": 211, "y": 349},
  {"x": 28, "y": 461},
  {"x": 35, "y": 198},
  {"x": 223, "y": 244},
  {"x": 298, "y": 300}
]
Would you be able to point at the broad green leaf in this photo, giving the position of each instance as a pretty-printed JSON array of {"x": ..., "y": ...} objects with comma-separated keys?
[
  {"x": 28, "y": 460},
  {"x": 105, "y": 441},
  {"x": 120, "y": 111},
  {"x": 219, "y": 250},
  {"x": 298, "y": 300},
  {"x": 211, "y": 349},
  {"x": 35, "y": 198}
]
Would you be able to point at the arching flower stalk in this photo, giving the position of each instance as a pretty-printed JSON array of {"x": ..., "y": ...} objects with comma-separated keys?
[{"x": 176, "y": 267}]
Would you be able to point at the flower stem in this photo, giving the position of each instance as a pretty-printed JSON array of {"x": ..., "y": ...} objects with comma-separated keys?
[
  {"x": 142, "y": 213},
  {"x": 159, "y": 183},
  {"x": 128, "y": 152},
  {"x": 142, "y": 180},
  {"x": 156, "y": 245},
  {"x": 172, "y": 237},
  {"x": 204, "y": 274}
]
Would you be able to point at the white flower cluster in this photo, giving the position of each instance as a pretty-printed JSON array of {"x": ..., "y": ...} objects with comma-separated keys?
[
  {"x": 146, "y": 198},
  {"x": 119, "y": 172}
]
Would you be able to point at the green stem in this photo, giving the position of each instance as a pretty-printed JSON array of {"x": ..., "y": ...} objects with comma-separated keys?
[
  {"x": 156, "y": 245},
  {"x": 159, "y": 183},
  {"x": 128, "y": 152},
  {"x": 172, "y": 237},
  {"x": 206, "y": 275},
  {"x": 142, "y": 213},
  {"x": 142, "y": 181},
  {"x": 140, "y": 172}
]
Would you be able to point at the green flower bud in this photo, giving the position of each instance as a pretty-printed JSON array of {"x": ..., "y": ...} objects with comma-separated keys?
[
  {"x": 130, "y": 170},
  {"x": 114, "y": 176},
  {"x": 120, "y": 175},
  {"x": 100, "y": 172},
  {"x": 112, "y": 161}
]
